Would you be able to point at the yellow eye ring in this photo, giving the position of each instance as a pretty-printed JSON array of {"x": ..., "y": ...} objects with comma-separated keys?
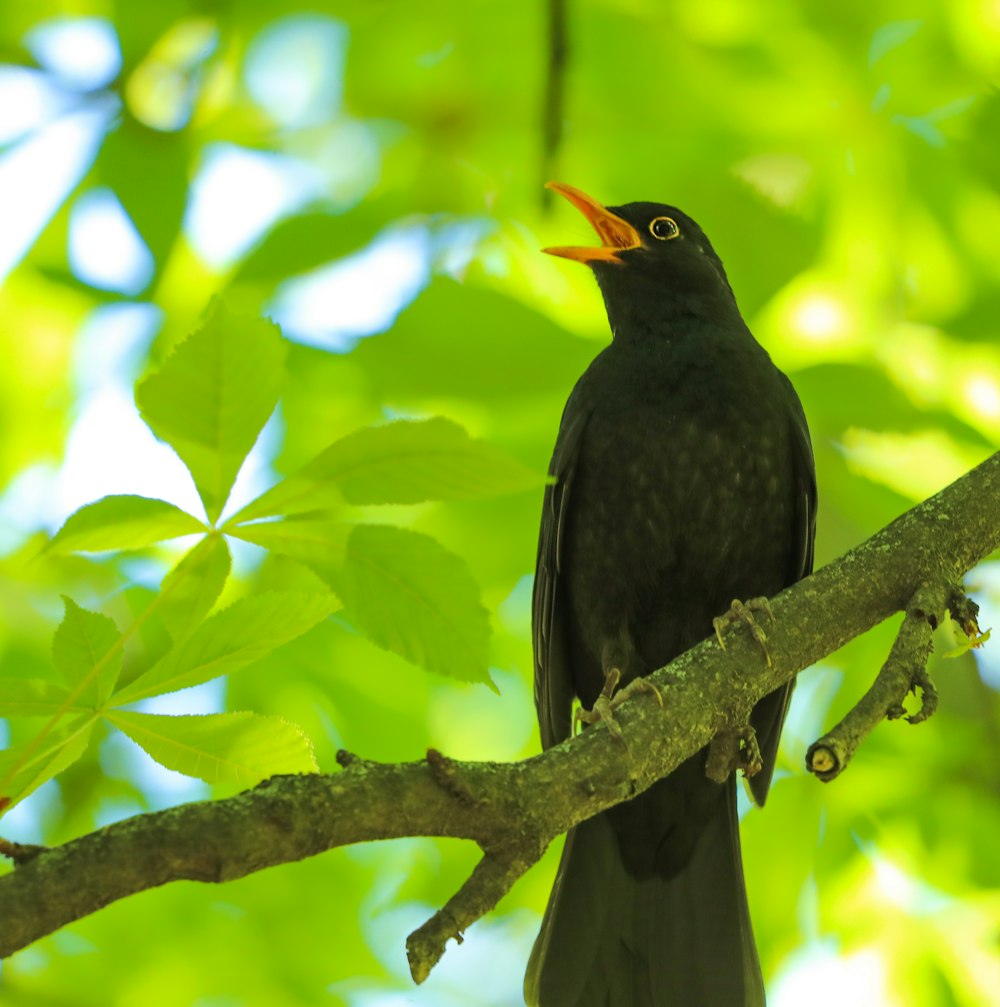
[{"x": 664, "y": 228}]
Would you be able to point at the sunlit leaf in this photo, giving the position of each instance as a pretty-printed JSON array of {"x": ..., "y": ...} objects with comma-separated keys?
[
  {"x": 86, "y": 652},
  {"x": 123, "y": 522},
  {"x": 412, "y": 461},
  {"x": 26, "y": 767},
  {"x": 320, "y": 543},
  {"x": 402, "y": 462},
  {"x": 137, "y": 161},
  {"x": 33, "y": 697},
  {"x": 193, "y": 586},
  {"x": 967, "y": 643},
  {"x": 213, "y": 395},
  {"x": 238, "y": 635},
  {"x": 296, "y": 494},
  {"x": 411, "y": 595},
  {"x": 301, "y": 243},
  {"x": 239, "y": 748}
]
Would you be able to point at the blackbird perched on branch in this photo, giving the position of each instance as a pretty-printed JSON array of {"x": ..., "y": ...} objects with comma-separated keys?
[{"x": 684, "y": 478}]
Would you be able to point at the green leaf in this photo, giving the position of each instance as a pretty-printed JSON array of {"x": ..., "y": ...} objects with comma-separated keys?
[
  {"x": 238, "y": 635},
  {"x": 319, "y": 543},
  {"x": 137, "y": 162},
  {"x": 300, "y": 243},
  {"x": 123, "y": 522},
  {"x": 26, "y": 767},
  {"x": 891, "y": 36},
  {"x": 241, "y": 748},
  {"x": 967, "y": 643},
  {"x": 405, "y": 462},
  {"x": 213, "y": 395},
  {"x": 33, "y": 697},
  {"x": 296, "y": 494},
  {"x": 86, "y": 652},
  {"x": 411, "y": 595},
  {"x": 190, "y": 590}
]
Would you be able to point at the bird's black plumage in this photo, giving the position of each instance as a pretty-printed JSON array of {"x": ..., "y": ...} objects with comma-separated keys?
[{"x": 683, "y": 479}]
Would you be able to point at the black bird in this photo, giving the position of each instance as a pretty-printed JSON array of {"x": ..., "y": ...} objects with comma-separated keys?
[{"x": 684, "y": 478}]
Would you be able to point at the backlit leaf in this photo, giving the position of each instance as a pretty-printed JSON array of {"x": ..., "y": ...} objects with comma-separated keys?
[
  {"x": 32, "y": 697},
  {"x": 319, "y": 543},
  {"x": 123, "y": 522},
  {"x": 411, "y": 595},
  {"x": 213, "y": 395},
  {"x": 241, "y": 748},
  {"x": 86, "y": 652},
  {"x": 193, "y": 586},
  {"x": 238, "y": 635},
  {"x": 26, "y": 767}
]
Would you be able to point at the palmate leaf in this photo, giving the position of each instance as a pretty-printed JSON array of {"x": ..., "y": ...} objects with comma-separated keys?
[
  {"x": 34, "y": 697},
  {"x": 25, "y": 768},
  {"x": 213, "y": 395},
  {"x": 403, "y": 590},
  {"x": 123, "y": 522},
  {"x": 412, "y": 596},
  {"x": 86, "y": 652},
  {"x": 241, "y": 748},
  {"x": 319, "y": 543},
  {"x": 189, "y": 591},
  {"x": 238, "y": 635},
  {"x": 408, "y": 461}
]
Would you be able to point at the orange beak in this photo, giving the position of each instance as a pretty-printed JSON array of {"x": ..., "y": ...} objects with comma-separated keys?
[{"x": 616, "y": 234}]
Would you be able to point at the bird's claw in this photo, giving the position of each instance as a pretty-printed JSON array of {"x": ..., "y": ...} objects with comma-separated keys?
[
  {"x": 740, "y": 611},
  {"x": 750, "y": 759},
  {"x": 609, "y": 700},
  {"x": 733, "y": 749}
]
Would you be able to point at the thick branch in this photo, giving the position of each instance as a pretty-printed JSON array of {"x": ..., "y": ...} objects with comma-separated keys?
[{"x": 512, "y": 810}]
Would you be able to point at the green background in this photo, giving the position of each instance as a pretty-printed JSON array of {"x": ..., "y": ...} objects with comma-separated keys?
[{"x": 844, "y": 160}]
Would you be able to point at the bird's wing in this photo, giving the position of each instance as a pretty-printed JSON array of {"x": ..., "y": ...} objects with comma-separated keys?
[
  {"x": 553, "y": 672},
  {"x": 769, "y": 714}
]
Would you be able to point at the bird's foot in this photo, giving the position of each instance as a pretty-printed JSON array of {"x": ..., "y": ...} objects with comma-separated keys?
[
  {"x": 740, "y": 611},
  {"x": 736, "y": 749},
  {"x": 609, "y": 700}
]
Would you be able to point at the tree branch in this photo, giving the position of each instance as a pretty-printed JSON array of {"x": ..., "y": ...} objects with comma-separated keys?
[
  {"x": 514, "y": 810},
  {"x": 552, "y": 105},
  {"x": 905, "y": 670}
]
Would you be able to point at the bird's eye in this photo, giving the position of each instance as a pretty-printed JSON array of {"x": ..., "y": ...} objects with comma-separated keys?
[{"x": 664, "y": 228}]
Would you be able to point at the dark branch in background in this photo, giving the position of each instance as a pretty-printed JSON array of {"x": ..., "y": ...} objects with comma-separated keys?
[
  {"x": 514, "y": 810},
  {"x": 552, "y": 107}
]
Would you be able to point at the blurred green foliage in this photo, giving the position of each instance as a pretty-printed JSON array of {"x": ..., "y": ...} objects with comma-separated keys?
[{"x": 843, "y": 159}]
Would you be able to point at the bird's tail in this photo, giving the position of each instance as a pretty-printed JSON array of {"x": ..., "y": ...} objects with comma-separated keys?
[{"x": 611, "y": 940}]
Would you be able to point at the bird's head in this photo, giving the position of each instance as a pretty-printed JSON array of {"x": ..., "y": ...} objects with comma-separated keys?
[{"x": 653, "y": 262}]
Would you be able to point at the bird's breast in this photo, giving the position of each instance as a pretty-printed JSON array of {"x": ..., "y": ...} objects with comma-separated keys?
[{"x": 675, "y": 511}]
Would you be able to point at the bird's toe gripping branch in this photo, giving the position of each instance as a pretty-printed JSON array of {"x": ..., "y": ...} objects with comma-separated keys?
[
  {"x": 904, "y": 671},
  {"x": 743, "y": 612},
  {"x": 609, "y": 700}
]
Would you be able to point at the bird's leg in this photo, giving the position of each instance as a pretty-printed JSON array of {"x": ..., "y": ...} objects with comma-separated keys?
[
  {"x": 740, "y": 611},
  {"x": 611, "y": 698}
]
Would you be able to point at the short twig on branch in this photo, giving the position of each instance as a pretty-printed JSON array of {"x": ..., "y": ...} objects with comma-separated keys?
[
  {"x": 904, "y": 671},
  {"x": 492, "y": 878},
  {"x": 513, "y": 810}
]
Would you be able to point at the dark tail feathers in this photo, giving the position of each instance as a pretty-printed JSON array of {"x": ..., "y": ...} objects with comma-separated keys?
[{"x": 610, "y": 940}]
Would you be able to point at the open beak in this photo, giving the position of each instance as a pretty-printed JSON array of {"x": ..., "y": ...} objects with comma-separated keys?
[{"x": 616, "y": 234}]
